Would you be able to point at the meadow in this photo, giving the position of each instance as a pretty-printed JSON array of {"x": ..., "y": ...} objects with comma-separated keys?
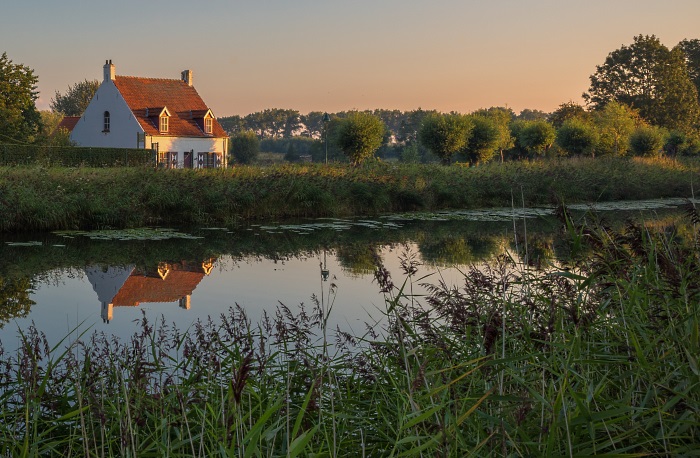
[{"x": 34, "y": 198}]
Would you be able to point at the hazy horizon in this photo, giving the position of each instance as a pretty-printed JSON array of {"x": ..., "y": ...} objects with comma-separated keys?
[{"x": 331, "y": 56}]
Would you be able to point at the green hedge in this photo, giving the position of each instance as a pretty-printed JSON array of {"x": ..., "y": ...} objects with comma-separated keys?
[{"x": 75, "y": 156}]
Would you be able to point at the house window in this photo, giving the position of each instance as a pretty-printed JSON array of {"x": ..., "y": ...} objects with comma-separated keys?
[
  {"x": 168, "y": 160},
  {"x": 163, "y": 123},
  {"x": 208, "y": 160},
  {"x": 106, "y": 122},
  {"x": 207, "y": 125}
]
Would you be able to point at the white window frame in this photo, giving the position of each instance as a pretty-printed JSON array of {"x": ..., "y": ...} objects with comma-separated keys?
[
  {"x": 163, "y": 124},
  {"x": 208, "y": 125}
]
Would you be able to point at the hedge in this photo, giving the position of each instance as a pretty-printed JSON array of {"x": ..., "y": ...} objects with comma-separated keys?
[{"x": 75, "y": 156}]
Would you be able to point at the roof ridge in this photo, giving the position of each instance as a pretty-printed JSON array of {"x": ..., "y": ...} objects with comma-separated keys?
[{"x": 149, "y": 78}]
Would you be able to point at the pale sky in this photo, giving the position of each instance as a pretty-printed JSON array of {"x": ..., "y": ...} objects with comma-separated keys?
[{"x": 310, "y": 55}]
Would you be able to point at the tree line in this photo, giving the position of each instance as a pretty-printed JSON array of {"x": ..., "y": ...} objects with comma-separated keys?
[{"x": 643, "y": 99}]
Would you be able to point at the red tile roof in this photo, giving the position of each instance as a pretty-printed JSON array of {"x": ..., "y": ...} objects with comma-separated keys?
[
  {"x": 182, "y": 101},
  {"x": 68, "y": 123},
  {"x": 139, "y": 288}
]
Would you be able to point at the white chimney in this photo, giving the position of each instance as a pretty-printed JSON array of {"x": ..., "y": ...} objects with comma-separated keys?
[
  {"x": 186, "y": 76},
  {"x": 108, "y": 70}
]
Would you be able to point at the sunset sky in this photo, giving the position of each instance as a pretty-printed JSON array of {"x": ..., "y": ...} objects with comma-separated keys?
[{"x": 248, "y": 55}]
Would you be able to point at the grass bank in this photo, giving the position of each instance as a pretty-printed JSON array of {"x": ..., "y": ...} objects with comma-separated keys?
[
  {"x": 36, "y": 198},
  {"x": 513, "y": 362}
]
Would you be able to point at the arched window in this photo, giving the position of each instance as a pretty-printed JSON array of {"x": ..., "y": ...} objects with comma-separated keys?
[{"x": 106, "y": 122}]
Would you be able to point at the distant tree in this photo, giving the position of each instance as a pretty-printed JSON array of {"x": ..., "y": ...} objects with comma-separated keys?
[
  {"x": 675, "y": 142},
  {"x": 531, "y": 115},
  {"x": 691, "y": 51},
  {"x": 50, "y": 134},
  {"x": 445, "y": 134},
  {"x": 646, "y": 141},
  {"x": 76, "y": 98},
  {"x": 232, "y": 124},
  {"x": 577, "y": 137},
  {"x": 410, "y": 125},
  {"x": 313, "y": 124},
  {"x": 615, "y": 123},
  {"x": 502, "y": 117},
  {"x": 647, "y": 76},
  {"x": 483, "y": 140},
  {"x": 359, "y": 136},
  {"x": 245, "y": 147},
  {"x": 536, "y": 137},
  {"x": 291, "y": 154},
  {"x": 410, "y": 153},
  {"x": 566, "y": 111},
  {"x": 19, "y": 119}
]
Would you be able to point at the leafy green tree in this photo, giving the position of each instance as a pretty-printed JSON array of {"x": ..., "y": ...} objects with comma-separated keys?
[
  {"x": 577, "y": 137},
  {"x": 691, "y": 50},
  {"x": 19, "y": 119},
  {"x": 445, "y": 134},
  {"x": 245, "y": 147},
  {"x": 502, "y": 118},
  {"x": 566, "y": 111},
  {"x": 650, "y": 78},
  {"x": 483, "y": 140},
  {"x": 531, "y": 115},
  {"x": 536, "y": 137},
  {"x": 359, "y": 136},
  {"x": 232, "y": 124},
  {"x": 646, "y": 141},
  {"x": 615, "y": 123},
  {"x": 76, "y": 98},
  {"x": 50, "y": 134},
  {"x": 675, "y": 142},
  {"x": 410, "y": 153}
]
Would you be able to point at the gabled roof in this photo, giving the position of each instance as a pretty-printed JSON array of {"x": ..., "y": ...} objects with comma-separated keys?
[
  {"x": 68, "y": 123},
  {"x": 181, "y": 100}
]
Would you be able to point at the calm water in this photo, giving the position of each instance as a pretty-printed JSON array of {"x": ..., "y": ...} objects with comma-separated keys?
[{"x": 105, "y": 281}]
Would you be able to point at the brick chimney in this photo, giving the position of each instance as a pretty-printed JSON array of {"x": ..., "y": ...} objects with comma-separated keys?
[
  {"x": 108, "y": 70},
  {"x": 186, "y": 76}
]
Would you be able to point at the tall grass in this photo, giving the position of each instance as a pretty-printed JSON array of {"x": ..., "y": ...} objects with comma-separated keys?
[
  {"x": 36, "y": 198},
  {"x": 597, "y": 359}
]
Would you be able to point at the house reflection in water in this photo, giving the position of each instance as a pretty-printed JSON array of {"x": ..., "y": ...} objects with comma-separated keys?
[{"x": 129, "y": 286}]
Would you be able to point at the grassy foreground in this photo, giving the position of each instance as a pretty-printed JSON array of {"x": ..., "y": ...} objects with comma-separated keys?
[
  {"x": 36, "y": 198},
  {"x": 513, "y": 362}
]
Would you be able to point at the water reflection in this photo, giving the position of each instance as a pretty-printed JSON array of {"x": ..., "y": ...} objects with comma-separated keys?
[{"x": 129, "y": 286}]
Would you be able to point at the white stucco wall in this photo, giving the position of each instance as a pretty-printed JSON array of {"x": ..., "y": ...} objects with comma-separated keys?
[
  {"x": 184, "y": 144},
  {"x": 123, "y": 126}
]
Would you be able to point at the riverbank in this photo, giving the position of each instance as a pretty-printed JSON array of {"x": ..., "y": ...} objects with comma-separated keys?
[
  {"x": 600, "y": 359},
  {"x": 41, "y": 199}
]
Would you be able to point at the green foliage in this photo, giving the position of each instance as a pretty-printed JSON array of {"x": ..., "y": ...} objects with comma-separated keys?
[
  {"x": 445, "y": 134},
  {"x": 566, "y": 111},
  {"x": 691, "y": 50},
  {"x": 245, "y": 147},
  {"x": 577, "y": 137},
  {"x": 74, "y": 156},
  {"x": 20, "y": 121},
  {"x": 359, "y": 136},
  {"x": 76, "y": 99},
  {"x": 615, "y": 123},
  {"x": 484, "y": 139},
  {"x": 531, "y": 115},
  {"x": 15, "y": 300},
  {"x": 410, "y": 153},
  {"x": 649, "y": 77},
  {"x": 646, "y": 141},
  {"x": 535, "y": 137}
]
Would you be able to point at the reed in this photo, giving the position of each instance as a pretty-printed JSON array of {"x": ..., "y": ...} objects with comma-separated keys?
[
  {"x": 36, "y": 198},
  {"x": 598, "y": 358}
]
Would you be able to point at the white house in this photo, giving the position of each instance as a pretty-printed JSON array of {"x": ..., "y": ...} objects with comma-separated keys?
[{"x": 166, "y": 115}]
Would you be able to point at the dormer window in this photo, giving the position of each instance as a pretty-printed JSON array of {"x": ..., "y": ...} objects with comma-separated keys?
[
  {"x": 106, "y": 120},
  {"x": 208, "y": 125},
  {"x": 163, "y": 123}
]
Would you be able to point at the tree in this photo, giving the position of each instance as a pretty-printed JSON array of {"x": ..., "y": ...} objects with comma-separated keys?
[
  {"x": 577, "y": 137},
  {"x": 650, "y": 78},
  {"x": 76, "y": 99},
  {"x": 691, "y": 51},
  {"x": 15, "y": 298},
  {"x": 615, "y": 123},
  {"x": 50, "y": 134},
  {"x": 19, "y": 119},
  {"x": 483, "y": 140},
  {"x": 245, "y": 147},
  {"x": 359, "y": 136},
  {"x": 646, "y": 141},
  {"x": 566, "y": 111},
  {"x": 445, "y": 134},
  {"x": 531, "y": 115},
  {"x": 536, "y": 137},
  {"x": 501, "y": 117}
]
